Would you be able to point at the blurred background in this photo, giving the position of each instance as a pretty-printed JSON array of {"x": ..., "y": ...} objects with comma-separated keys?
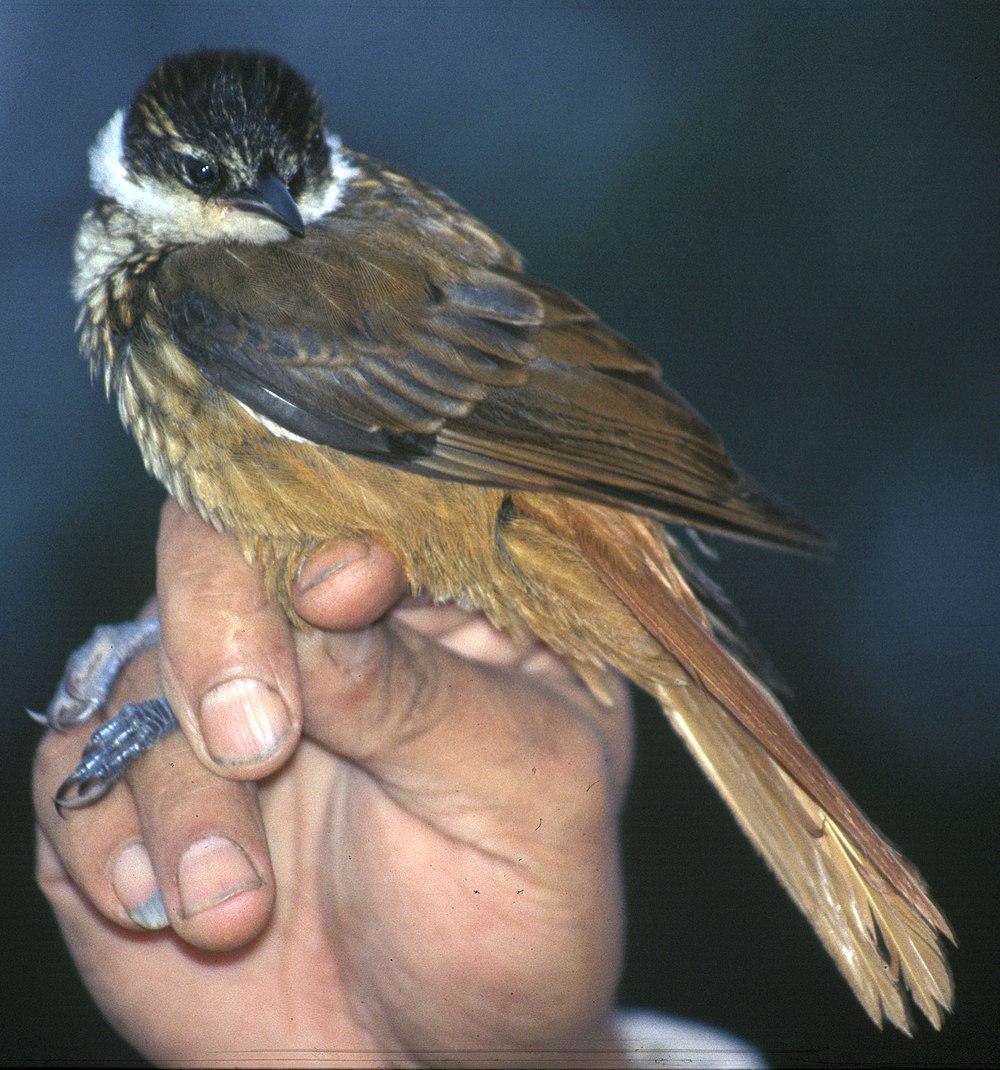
[{"x": 794, "y": 207}]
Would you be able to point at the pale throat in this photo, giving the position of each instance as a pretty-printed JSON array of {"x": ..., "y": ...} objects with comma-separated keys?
[{"x": 172, "y": 214}]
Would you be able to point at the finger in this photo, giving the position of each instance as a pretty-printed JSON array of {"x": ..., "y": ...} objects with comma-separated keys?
[
  {"x": 99, "y": 850},
  {"x": 466, "y": 633},
  {"x": 425, "y": 617},
  {"x": 227, "y": 657},
  {"x": 203, "y": 834},
  {"x": 433, "y": 726},
  {"x": 338, "y": 600},
  {"x": 346, "y": 585}
]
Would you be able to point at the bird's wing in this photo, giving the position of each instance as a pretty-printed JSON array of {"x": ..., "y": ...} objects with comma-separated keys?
[{"x": 368, "y": 340}]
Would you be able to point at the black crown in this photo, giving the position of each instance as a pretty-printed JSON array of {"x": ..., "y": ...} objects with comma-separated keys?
[{"x": 226, "y": 105}]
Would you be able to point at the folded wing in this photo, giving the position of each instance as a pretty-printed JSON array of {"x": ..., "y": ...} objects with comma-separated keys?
[{"x": 457, "y": 370}]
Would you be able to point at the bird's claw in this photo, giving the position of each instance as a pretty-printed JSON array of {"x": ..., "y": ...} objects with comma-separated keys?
[
  {"x": 111, "y": 750},
  {"x": 92, "y": 670},
  {"x": 84, "y": 689},
  {"x": 76, "y": 791}
]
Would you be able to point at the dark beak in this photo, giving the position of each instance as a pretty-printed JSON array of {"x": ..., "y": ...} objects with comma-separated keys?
[{"x": 269, "y": 196}]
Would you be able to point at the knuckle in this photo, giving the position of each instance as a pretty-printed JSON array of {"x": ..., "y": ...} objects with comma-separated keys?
[
  {"x": 171, "y": 523},
  {"x": 359, "y": 660},
  {"x": 138, "y": 680},
  {"x": 45, "y": 754},
  {"x": 411, "y": 686},
  {"x": 177, "y": 522},
  {"x": 51, "y": 884},
  {"x": 585, "y": 749},
  {"x": 182, "y": 792},
  {"x": 50, "y": 874},
  {"x": 193, "y": 562},
  {"x": 198, "y": 579}
]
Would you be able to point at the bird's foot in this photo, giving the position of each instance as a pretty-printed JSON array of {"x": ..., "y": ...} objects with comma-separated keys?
[
  {"x": 84, "y": 690},
  {"x": 112, "y": 749},
  {"x": 92, "y": 670}
]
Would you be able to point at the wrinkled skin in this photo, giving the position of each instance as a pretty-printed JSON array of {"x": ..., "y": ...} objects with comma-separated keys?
[{"x": 428, "y": 875}]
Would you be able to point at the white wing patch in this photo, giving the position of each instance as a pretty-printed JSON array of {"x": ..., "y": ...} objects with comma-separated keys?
[{"x": 276, "y": 429}]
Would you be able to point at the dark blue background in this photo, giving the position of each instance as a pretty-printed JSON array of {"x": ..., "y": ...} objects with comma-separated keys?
[{"x": 794, "y": 208}]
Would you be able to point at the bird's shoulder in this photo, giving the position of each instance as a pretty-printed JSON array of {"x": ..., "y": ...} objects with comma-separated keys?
[
  {"x": 380, "y": 194},
  {"x": 399, "y": 267}
]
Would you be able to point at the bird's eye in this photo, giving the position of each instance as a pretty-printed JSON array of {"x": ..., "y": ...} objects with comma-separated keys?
[{"x": 200, "y": 174}]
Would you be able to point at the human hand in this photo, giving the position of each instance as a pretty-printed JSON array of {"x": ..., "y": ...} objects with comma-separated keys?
[{"x": 429, "y": 877}]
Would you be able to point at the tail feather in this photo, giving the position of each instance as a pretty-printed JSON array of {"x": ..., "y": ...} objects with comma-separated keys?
[
  {"x": 867, "y": 903},
  {"x": 881, "y": 943}
]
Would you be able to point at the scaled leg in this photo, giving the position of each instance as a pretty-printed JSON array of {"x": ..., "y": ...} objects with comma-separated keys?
[
  {"x": 92, "y": 670},
  {"x": 84, "y": 689},
  {"x": 112, "y": 749}
]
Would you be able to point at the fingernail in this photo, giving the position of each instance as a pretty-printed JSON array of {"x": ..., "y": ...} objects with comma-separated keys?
[
  {"x": 243, "y": 721},
  {"x": 315, "y": 571},
  {"x": 134, "y": 883},
  {"x": 211, "y": 871}
]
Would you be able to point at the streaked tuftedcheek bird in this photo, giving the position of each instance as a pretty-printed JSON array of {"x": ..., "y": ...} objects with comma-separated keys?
[{"x": 308, "y": 345}]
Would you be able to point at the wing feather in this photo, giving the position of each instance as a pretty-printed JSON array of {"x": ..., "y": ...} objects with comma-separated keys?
[
  {"x": 504, "y": 378},
  {"x": 868, "y": 904}
]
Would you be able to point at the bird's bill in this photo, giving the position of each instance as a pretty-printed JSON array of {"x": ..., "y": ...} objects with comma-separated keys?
[{"x": 269, "y": 197}]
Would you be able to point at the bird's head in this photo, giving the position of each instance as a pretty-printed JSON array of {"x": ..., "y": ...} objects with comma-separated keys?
[{"x": 221, "y": 146}]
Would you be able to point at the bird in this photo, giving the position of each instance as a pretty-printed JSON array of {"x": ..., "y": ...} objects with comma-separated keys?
[{"x": 309, "y": 345}]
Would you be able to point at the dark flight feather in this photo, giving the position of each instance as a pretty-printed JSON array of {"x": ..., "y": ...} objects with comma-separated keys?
[{"x": 489, "y": 375}]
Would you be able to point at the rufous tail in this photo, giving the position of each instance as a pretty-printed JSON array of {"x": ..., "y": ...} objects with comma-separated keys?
[{"x": 867, "y": 903}]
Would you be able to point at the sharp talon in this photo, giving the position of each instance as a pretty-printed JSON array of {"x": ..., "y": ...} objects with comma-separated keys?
[
  {"x": 68, "y": 710},
  {"x": 38, "y": 718},
  {"x": 111, "y": 749},
  {"x": 75, "y": 793},
  {"x": 92, "y": 670}
]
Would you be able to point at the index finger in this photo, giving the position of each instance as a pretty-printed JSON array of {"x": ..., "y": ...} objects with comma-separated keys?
[{"x": 227, "y": 657}]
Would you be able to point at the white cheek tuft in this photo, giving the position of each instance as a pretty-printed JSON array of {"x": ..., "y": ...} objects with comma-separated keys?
[
  {"x": 174, "y": 214},
  {"x": 168, "y": 213},
  {"x": 109, "y": 176},
  {"x": 316, "y": 205},
  {"x": 107, "y": 167}
]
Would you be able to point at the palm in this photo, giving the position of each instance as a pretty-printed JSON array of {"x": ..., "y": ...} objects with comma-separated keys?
[{"x": 410, "y": 917}]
